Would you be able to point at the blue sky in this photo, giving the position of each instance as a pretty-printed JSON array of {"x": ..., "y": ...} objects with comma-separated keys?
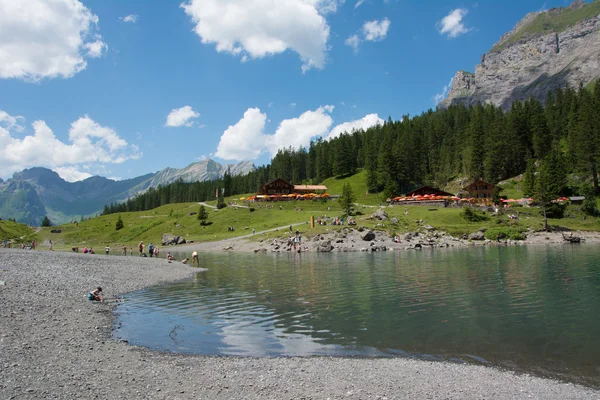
[{"x": 121, "y": 88}]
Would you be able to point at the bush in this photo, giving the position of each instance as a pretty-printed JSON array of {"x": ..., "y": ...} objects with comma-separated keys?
[
  {"x": 554, "y": 210},
  {"x": 589, "y": 203},
  {"x": 511, "y": 233},
  {"x": 251, "y": 209},
  {"x": 119, "y": 225},
  {"x": 473, "y": 215}
]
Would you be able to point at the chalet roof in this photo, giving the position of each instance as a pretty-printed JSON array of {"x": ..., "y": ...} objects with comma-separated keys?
[
  {"x": 478, "y": 182},
  {"x": 277, "y": 180},
  {"x": 429, "y": 190},
  {"x": 310, "y": 187}
]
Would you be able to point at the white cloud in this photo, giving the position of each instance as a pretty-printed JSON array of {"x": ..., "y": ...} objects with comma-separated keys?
[
  {"x": 247, "y": 139},
  {"x": 353, "y": 41},
  {"x": 181, "y": 116},
  {"x": 293, "y": 105},
  {"x": 376, "y": 30},
  {"x": 371, "y": 31},
  {"x": 452, "y": 24},
  {"x": 359, "y": 3},
  {"x": 9, "y": 122},
  {"x": 90, "y": 143},
  {"x": 364, "y": 123},
  {"x": 46, "y": 39},
  {"x": 129, "y": 18},
  {"x": 71, "y": 174},
  {"x": 244, "y": 140},
  {"x": 259, "y": 28},
  {"x": 441, "y": 96},
  {"x": 297, "y": 132}
]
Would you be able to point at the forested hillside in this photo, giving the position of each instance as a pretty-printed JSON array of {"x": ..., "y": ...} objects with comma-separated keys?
[{"x": 478, "y": 142}]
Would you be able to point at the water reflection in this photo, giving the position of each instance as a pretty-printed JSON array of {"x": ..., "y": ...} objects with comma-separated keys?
[{"x": 531, "y": 308}]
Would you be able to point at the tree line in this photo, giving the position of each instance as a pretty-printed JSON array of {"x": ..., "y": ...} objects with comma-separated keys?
[{"x": 545, "y": 142}]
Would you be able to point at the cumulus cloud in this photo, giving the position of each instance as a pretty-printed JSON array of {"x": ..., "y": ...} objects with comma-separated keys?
[
  {"x": 89, "y": 143},
  {"x": 371, "y": 31},
  {"x": 47, "y": 39},
  {"x": 247, "y": 139},
  {"x": 441, "y": 96},
  {"x": 132, "y": 18},
  {"x": 452, "y": 24},
  {"x": 364, "y": 123},
  {"x": 181, "y": 117},
  {"x": 244, "y": 140},
  {"x": 260, "y": 28},
  {"x": 297, "y": 132},
  {"x": 376, "y": 30}
]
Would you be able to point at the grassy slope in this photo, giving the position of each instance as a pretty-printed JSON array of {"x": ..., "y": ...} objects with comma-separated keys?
[
  {"x": 548, "y": 22},
  {"x": 149, "y": 226},
  {"x": 358, "y": 182},
  {"x": 20, "y": 233}
]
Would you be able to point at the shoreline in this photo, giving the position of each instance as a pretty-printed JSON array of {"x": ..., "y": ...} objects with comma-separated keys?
[
  {"x": 57, "y": 344},
  {"x": 350, "y": 239}
]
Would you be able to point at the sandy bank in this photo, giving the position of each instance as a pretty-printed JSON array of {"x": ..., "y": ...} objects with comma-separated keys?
[{"x": 54, "y": 344}]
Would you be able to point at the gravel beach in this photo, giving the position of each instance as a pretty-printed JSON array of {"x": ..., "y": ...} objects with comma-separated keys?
[{"x": 55, "y": 344}]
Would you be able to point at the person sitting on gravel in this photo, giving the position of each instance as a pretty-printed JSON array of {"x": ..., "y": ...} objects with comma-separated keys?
[
  {"x": 170, "y": 257},
  {"x": 185, "y": 260},
  {"x": 94, "y": 295}
]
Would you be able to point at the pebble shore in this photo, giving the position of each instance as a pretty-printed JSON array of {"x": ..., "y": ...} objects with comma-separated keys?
[{"x": 55, "y": 344}]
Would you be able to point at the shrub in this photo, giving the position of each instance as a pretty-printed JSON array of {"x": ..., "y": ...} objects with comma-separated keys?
[
  {"x": 473, "y": 215},
  {"x": 554, "y": 210},
  {"x": 119, "y": 224},
  {"x": 512, "y": 233}
]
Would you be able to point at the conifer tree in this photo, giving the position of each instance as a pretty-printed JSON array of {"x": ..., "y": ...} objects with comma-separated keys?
[
  {"x": 347, "y": 199},
  {"x": 202, "y": 215},
  {"x": 119, "y": 225}
]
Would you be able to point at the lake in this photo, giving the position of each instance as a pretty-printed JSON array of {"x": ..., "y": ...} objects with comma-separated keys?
[{"x": 534, "y": 309}]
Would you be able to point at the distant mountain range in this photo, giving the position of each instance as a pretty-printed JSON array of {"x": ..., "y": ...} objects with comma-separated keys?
[{"x": 34, "y": 193}]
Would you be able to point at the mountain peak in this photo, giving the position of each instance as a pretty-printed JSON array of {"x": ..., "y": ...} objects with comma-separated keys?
[{"x": 545, "y": 51}]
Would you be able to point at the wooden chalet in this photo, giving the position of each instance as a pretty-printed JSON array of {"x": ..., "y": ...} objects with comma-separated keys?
[
  {"x": 278, "y": 186},
  {"x": 303, "y": 189},
  {"x": 423, "y": 190},
  {"x": 480, "y": 189}
]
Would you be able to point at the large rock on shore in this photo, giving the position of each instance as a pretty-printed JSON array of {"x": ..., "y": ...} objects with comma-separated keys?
[
  {"x": 324, "y": 246},
  {"x": 368, "y": 236},
  {"x": 479, "y": 235},
  {"x": 169, "y": 239}
]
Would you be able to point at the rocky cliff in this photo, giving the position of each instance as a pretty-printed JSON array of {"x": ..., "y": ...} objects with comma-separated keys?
[{"x": 545, "y": 51}]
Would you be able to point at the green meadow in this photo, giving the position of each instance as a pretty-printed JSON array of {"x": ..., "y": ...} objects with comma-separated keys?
[{"x": 271, "y": 221}]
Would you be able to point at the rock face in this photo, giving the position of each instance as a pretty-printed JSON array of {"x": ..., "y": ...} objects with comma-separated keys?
[
  {"x": 168, "y": 239},
  {"x": 540, "y": 54}
]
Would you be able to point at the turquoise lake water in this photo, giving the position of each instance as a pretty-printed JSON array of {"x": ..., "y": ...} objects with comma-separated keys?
[{"x": 534, "y": 309}]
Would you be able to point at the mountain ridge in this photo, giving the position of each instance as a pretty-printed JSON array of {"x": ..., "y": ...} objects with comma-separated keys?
[
  {"x": 36, "y": 192},
  {"x": 545, "y": 51}
]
